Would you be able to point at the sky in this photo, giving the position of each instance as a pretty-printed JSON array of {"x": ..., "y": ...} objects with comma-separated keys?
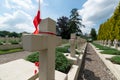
[{"x": 18, "y": 15}]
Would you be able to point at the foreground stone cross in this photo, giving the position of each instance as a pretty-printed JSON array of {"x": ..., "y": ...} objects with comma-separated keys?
[
  {"x": 45, "y": 43},
  {"x": 72, "y": 44}
]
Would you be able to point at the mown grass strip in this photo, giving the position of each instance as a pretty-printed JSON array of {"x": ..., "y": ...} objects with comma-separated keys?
[
  {"x": 10, "y": 51},
  {"x": 107, "y": 50},
  {"x": 112, "y": 52},
  {"x": 115, "y": 59},
  {"x": 102, "y": 47}
]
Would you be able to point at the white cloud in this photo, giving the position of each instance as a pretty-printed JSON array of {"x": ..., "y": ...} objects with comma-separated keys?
[
  {"x": 24, "y": 27},
  {"x": 94, "y": 11},
  {"x": 19, "y": 15},
  {"x": 41, "y": 1},
  {"x": 19, "y": 4},
  {"x": 18, "y": 21}
]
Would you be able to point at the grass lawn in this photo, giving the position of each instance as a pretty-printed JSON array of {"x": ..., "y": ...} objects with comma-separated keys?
[
  {"x": 10, "y": 51},
  {"x": 112, "y": 52},
  {"x": 107, "y": 50},
  {"x": 115, "y": 59},
  {"x": 102, "y": 47}
]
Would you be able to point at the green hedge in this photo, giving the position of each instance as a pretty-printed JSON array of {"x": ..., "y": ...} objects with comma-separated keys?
[
  {"x": 115, "y": 59},
  {"x": 61, "y": 62},
  {"x": 62, "y": 49},
  {"x": 34, "y": 57},
  {"x": 14, "y": 42},
  {"x": 67, "y": 46},
  {"x": 6, "y": 51},
  {"x": 1, "y": 42}
]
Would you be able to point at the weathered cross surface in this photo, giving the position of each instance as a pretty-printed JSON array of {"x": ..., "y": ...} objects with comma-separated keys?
[
  {"x": 72, "y": 45},
  {"x": 78, "y": 42},
  {"x": 45, "y": 43}
]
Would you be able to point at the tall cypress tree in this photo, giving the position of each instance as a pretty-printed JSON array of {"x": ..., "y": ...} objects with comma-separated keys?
[{"x": 111, "y": 28}]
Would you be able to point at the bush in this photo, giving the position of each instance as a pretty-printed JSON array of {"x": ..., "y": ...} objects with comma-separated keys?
[
  {"x": 34, "y": 57},
  {"x": 61, "y": 62},
  {"x": 115, "y": 59},
  {"x": 1, "y": 42},
  {"x": 14, "y": 42},
  {"x": 62, "y": 49},
  {"x": 67, "y": 46},
  {"x": 113, "y": 52}
]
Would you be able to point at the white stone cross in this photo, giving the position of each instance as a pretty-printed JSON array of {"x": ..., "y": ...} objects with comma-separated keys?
[
  {"x": 45, "y": 43},
  {"x": 72, "y": 45},
  {"x": 78, "y": 42}
]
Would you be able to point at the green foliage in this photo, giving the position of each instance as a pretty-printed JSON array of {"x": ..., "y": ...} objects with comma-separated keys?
[
  {"x": 111, "y": 28},
  {"x": 93, "y": 34},
  {"x": 34, "y": 57},
  {"x": 13, "y": 34},
  {"x": 115, "y": 59},
  {"x": 10, "y": 34},
  {"x": 67, "y": 46},
  {"x": 4, "y": 33},
  {"x": 107, "y": 50},
  {"x": 6, "y": 51},
  {"x": 112, "y": 52},
  {"x": 65, "y": 26},
  {"x": 1, "y": 42},
  {"x": 75, "y": 22},
  {"x": 61, "y": 63},
  {"x": 14, "y": 42},
  {"x": 62, "y": 49}
]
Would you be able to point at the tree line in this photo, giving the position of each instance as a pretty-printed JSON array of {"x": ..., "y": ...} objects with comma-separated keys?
[
  {"x": 110, "y": 29},
  {"x": 10, "y": 34}
]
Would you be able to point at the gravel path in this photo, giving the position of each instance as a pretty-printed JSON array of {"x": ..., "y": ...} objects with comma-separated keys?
[
  {"x": 94, "y": 68},
  {"x": 13, "y": 56}
]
